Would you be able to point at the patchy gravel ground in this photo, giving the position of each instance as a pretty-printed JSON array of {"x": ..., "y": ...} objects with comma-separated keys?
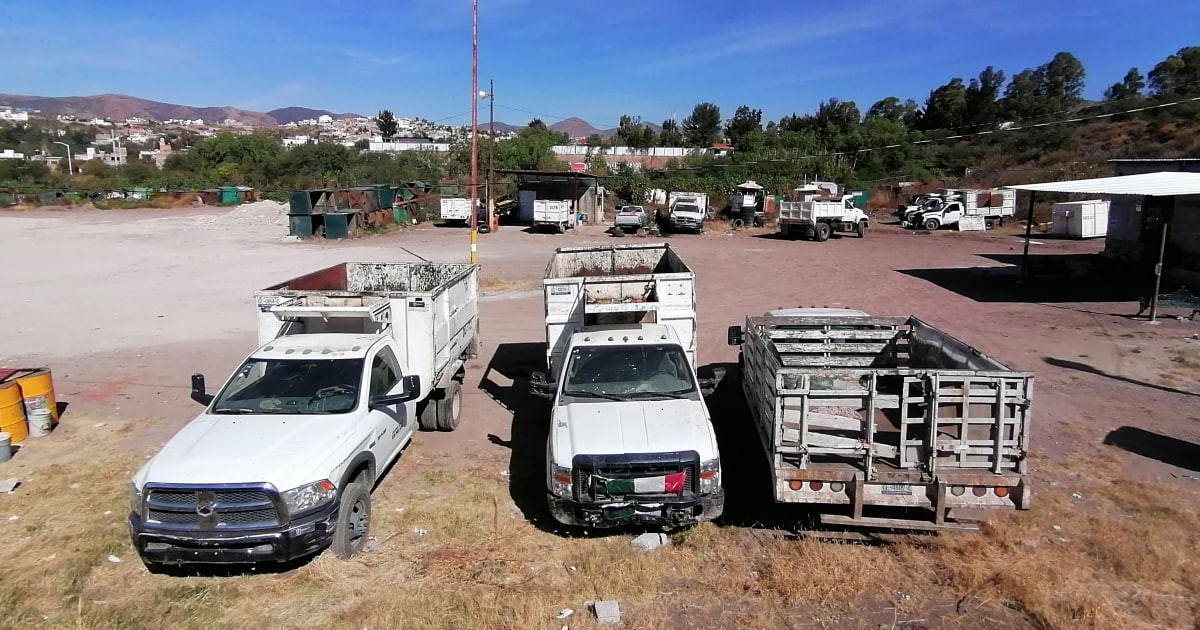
[{"x": 125, "y": 305}]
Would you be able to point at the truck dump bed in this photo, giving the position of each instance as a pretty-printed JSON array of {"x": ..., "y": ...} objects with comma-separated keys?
[
  {"x": 885, "y": 411},
  {"x": 622, "y": 284},
  {"x": 431, "y": 309}
]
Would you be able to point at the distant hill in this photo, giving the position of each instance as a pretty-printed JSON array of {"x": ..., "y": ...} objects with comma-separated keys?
[
  {"x": 575, "y": 127},
  {"x": 119, "y": 107},
  {"x": 287, "y": 115}
]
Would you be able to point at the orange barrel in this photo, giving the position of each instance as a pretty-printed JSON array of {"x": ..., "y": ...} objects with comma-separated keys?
[
  {"x": 37, "y": 389},
  {"x": 12, "y": 412}
]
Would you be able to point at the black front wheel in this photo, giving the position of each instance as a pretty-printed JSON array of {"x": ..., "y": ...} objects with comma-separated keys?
[
  {"x": 353, "y": 522},
  {"x": 861, "y": 229}
]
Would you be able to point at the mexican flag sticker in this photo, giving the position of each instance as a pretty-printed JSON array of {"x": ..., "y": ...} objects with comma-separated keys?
[{"x": 667, "y": 484}]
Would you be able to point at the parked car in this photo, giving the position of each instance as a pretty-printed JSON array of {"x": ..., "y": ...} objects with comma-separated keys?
[{"x": 631, "y": 219}]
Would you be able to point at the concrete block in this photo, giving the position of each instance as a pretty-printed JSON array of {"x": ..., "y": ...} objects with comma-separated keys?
[{"x": 607, "y": 611}]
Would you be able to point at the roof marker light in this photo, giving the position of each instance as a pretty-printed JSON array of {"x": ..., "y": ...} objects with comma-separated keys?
[
  {"x": 268, "y": 348},
  {"x": 640, "y": 338},
  {"x": 308, "y": 351}
]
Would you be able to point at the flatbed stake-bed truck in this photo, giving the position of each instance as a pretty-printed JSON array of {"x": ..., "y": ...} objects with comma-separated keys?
[{"x": 861, "y": 413}]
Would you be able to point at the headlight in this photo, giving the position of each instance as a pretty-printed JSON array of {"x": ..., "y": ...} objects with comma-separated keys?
[
  {"x": 135, "y": 499},
  {"x": 309, "y": 497},
  {"x": 710, "y": 476},
  {"x": 560, "y": 481}
]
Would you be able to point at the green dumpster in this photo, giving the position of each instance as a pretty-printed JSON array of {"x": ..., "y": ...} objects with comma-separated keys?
[
  {"x": 229, "y": 195},
  {"x": 337, "y": 224},
  {"x": 385, "y": 195},
  {"x": 300, "y": 202},
  {"x": 300, "y": 225},
  {"x": 400, "y": 214}
]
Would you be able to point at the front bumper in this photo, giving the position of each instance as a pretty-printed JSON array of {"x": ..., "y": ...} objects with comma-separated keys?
[
  {"x": 669, "y": 512},
  {"x": 301, "y": 538}
]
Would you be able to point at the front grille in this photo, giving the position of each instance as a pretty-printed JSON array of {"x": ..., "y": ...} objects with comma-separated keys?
[
  {"x": 590, "y": 471},
  {"x": 189, "y": 508}
]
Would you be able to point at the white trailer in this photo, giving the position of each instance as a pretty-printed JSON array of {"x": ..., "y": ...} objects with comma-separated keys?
[
  {"x": 456, "y": 210},
  {"x": 870, "y": 413},
  {"x": 622, "y": 284},
  {"x": 431, "y": 310},
  {"x": 1080, "y": 219},
  {"x": 817, "y": 219},
  {"x": 554, "y": 213}
]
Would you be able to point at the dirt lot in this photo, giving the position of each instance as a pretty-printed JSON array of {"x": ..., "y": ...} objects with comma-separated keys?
[{"x": 125, "y": 305}]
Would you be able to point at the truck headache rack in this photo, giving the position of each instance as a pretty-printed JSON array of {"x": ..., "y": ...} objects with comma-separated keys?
[{"x": 891, "y": 411}]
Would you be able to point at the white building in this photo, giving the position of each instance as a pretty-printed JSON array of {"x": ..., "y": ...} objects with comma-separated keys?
[
  {"x": 325, "y": 119},
  {"x": 295, "y": 141},
  {"x": 13, "y": 116},
  {"x": 9, "y": 154}
]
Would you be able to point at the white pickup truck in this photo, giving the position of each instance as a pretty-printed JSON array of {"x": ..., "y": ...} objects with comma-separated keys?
[
  {"x": 282, "y": 461},
  {"x": 686, "y": 211},
  {"x": 630, "y": 436}
]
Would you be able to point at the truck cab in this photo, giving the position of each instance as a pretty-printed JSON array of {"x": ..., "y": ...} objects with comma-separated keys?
[
  {"x": 630, "y": 436},
  {"x": 281, "y": 462}
]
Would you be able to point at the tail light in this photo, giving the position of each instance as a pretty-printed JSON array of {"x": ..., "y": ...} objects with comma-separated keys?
[
  {"x": 837, "y": 486},
  {"x": 796, "y": 484},
  {"x": 1001, "y": 492},
  {"x": 958, "y": 491},
  {"x": 979, "y": 491},
  {"x": 816, "y": 485}
]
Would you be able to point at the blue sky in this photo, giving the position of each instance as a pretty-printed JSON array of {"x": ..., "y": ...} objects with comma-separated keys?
[{"x": 558, "y": 58}]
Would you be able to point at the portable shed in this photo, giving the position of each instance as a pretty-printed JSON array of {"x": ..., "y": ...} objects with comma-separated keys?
[{"x": 1167, "y": 205}]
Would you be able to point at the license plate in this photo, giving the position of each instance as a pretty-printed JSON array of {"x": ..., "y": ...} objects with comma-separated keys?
[
  {"x": 897, "y": 489},
  {"x": 621, "y": 512}
]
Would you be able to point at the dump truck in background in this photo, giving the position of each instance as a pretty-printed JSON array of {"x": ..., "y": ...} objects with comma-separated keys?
[
  {"x": 865, "y": 414},
  {"x": 818, "y": 219},
  {"x": 556, "y": 214},
  {"x": 630, "y": 436},
  {"x": 684, "y": 212},
  {"x": 282, "y": 461},
  {"x": 456, "y": 210},
  {"x": 982, "y": 208}
]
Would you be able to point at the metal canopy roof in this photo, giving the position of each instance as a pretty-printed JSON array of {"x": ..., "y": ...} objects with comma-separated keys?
[
  {"x": 549, "y": 176},
  {"x": 1165, "y": 184}
]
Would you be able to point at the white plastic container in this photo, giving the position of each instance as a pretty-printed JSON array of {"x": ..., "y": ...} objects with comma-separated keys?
[
  {"x": 39, "y": 422},
  {"x": 5, "y": 447}
]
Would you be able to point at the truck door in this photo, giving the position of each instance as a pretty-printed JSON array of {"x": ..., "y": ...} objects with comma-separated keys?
[{"x": 392, "y": 426}]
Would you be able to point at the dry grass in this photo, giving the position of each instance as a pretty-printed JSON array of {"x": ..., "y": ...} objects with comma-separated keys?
[
  {"x": 494, "y": 284},
  {"x": 453, "y": 551}
]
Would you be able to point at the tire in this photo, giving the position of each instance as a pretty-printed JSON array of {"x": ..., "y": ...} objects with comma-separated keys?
[
  {"x": 353, "y": 521},
  {"x": 737, "y": 224},
  {"x": 931, "y": 224},
  {"x": 861, "y": 229},
  {"x": 427, "y": 415},
  {"x": 823, "y": 231},
  {"x": 562, "y": 228},
  {"x": 449, "y": 407},
  {"x": 642, "y": 232}
]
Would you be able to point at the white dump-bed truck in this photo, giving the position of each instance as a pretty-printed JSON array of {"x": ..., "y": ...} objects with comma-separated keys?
[
  {"x": 686, "y": 211},
  {"x": 554, "y": 213},
  {"x": 456, "y": 210},
  {"x": 864, "y": 414},
  {"x": 282, "y": 461},
  {"x": 630, "y": 436},
  {"x": 981, "y": 208},
  {"x": 818, "y": 219}
]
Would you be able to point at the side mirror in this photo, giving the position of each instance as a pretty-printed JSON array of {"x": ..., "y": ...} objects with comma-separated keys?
[
  {"x": 410, "y": 389},
  {"x": 540, "y": 387},
  {"x": 735, "y": 336},
  {"x": 198, "y": 391}
]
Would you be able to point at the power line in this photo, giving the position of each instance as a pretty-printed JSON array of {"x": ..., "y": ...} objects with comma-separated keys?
[{"x": 945, "y": 138}]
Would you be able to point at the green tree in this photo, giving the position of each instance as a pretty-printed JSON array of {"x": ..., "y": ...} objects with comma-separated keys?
[
  {"x": 595, "y": 140},
  {"x": 946, "y": 107},
  {"x": 891, "y": 108},
  {"x": 982, "y": 106},
  {"x": 837, "y": 117},
  {"x": 635, "y": 134},
  {"x": 745, "y": 121},
  {"x": 670, "y": 136},
  {"x": 386, "y": 122},
  {"x": 703, "y": 127},
  {"x": 1178, "y": 74},
  {"x": 1051, "y": 88},
  {"x": 1129, "y": 87}
]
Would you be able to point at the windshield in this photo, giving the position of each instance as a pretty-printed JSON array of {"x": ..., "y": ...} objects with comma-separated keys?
[
  {"x": 627, "y": 372},
  {"x": 687, "y": 207},
  {"x": 275, "y": 386}
]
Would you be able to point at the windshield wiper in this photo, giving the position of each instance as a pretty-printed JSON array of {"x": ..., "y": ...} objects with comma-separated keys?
[
  {"x": 675, "y": 395},
  {"x": 235, "y": 411},
  {"x": 594, "y": 395}
]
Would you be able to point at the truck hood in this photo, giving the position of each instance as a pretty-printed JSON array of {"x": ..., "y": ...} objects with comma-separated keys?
[
  {"x": 606, "y": 428},
  {"x": 282, "y": 450}
]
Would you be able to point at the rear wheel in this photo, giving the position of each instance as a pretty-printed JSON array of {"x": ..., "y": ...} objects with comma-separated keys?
[
  {"x": 823, "y": 231},
  {"x": 931, "y": 224},
  {"x": 353, "y": 521},
  {"x": 861, "y": 229},
  {"x": 449, "y": 407}
]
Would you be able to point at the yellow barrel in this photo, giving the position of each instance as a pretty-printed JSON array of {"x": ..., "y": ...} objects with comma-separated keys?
[
  {"x": 37, "y": 389},
  {"x": 12, "y": 412}
]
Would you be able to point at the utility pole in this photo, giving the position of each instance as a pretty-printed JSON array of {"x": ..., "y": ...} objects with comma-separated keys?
[
  {"x": 70, "y": 166},
  {"x": 474, "y": 130}
]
